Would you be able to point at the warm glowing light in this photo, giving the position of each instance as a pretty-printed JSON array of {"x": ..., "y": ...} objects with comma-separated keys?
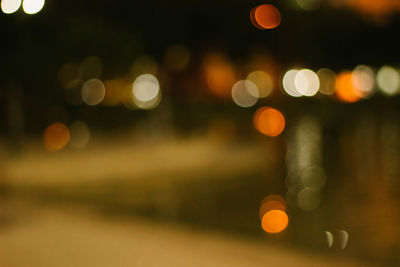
[
  {"x": 90, "y": 68},
  {"x": 32, "y": 6},
  {"x": 80, "y": 134},
  {"x": 146, "y": 91},
  {"x": 177, "y": 57},
  {"x": 114, "y": 91},
  {"x": 343, "y": 238},
  {"x": 56, "y": 136},
  {"x": 274, "y": 221},
  {"x": 245, "y": 93},
  {"x": 288, "y": 83},
  {"x": 219, "y": 74},
  {"x": 272, "y": 202},
  {"x": 263, "y": 81},
  {"x": 327, "y": 81},
  {"x": 363, "y": 80},
  {"x": 388, "y": 80},
  {"x": 93, "y": 92},
  {"x": 269, "y": 121},
  {"x": 265, "y": 17},
  {"x": 345, "y": 88},
  {"x": 10, "y": 6},
  {"x": 306, "y": 82}
]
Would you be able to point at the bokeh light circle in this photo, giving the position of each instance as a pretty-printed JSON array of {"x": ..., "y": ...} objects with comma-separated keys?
[
  {"x": 32, "y": 6},
  {"x": 245, "y": 93},
  {"x": 269, "y": 121},
  {"x": 265, "y": 16},
  {"x": 388, "y": 80},
  {"x": 146, "y": 88},
  {"x": 345, "y": 88},
  {"x": 93, "y": 92},
  {"x": 263, "y": 81},
  {"x": 274, "y": 221},
  {"x": 306, "y": 82},
  {"x": 56, "y": 137},
  {"x": 10, "y": 6},
  {"x": 288, "y": 83}
]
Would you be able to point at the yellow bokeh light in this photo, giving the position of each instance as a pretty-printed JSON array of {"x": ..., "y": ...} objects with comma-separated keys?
[
  {"x": 10, "y": 6},
  {"x": 306, "y": 82},
  {"x": 265, "y": 17},
  {"x": 274, "y": 221},
  {"x": 56, "y": 136},
  {"x": 32, "y": 6},
  {"x": 269, "y": 121},
  {"x": 364, "y": 81},
  {"x": 80, "y": 134},
  {"x": 263, "y": 81}
]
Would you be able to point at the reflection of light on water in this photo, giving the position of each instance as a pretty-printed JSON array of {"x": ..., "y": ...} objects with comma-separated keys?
[
  {"x": 245, "y": 93},
  {"x": 80, "y": 134},
  {"x": 56, "y": 136},
  {"x": 288, "y": 83},
  {"x": 32, "y": 6},
  {"x": 306, "y": 177},
  {"x": 274, "y": 221},
  {"x": 263, "y": 81},
  {"x": 10, "y": 6},
  {"x": 388, "y": 80},
  {"x": 306, "y": 82},
  {"x": 93, "y": 92}
]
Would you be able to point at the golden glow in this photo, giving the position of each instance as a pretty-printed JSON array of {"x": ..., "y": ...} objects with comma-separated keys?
[
  {"x": 263, "y": 81},
  {"x": 245, "y": 93},
  {"x": 274, "y": 221},
  {"x": 93, "y": 92},
  {"x": 269, "y": 121},
  {"x": 32, "y": 6},
  {"x": 327, "y": 80},
  {"x": 272, "y": 202},
  {"x": 56, "y": 136},
  {"x": 265, "y": 17},
  {"x": 388, "y": 80},
  {"x": 219, "y": 74},
  {"x": 10, "y": 6},
  {"x": 345, "y": 89},
  {"x": 114, "y": 90},
  {"x": 177, "y": 57},
  {"x": 306, "y": 82},
  {"x": 329, "y": 238},
  {"x": 288, "y": 83}
]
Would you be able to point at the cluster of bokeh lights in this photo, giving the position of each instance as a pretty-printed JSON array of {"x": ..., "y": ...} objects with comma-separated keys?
[
  {"x": 274, "y": 218},
  {"x": 30, "y": 7}
]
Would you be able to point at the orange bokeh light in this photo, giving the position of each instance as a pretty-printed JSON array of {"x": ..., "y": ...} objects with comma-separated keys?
[
  {"x": 274, "y": 221},
  {"x": 269, "y": 121},
  {"x": 265, "y": 17},
  {"x": 56, "y": 136},
  {"x": 272, "y": 202},
  {"x": 219, "y": 75},
  {"x": 345, "y": 88}
]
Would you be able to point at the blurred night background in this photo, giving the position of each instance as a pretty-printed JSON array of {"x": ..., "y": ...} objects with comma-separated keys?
[{"x": 200, "y": 133}]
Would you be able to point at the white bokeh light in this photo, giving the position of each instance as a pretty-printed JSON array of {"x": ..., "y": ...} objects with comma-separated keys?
[
  {"x": 32, "y": 6},
  {"x": 306, "y": 82},
  {"x": 10, "y": 6}
]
